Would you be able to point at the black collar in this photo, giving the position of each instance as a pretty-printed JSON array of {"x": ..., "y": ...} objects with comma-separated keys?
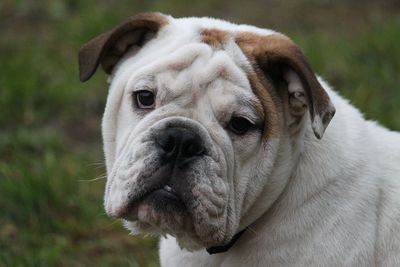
[{"x": 224, "y": 248}]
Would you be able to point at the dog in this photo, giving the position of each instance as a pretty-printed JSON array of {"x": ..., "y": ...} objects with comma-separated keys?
[{"x": 222, "y": 139}]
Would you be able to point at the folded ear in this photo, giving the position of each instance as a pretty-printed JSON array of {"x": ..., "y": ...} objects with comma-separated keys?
[
  {"x": 280, "y": 58},
  {"x": 108, "y": 48}
]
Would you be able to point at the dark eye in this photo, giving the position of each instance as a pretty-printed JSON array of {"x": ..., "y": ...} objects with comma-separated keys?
[
  {"x": 239, "y": 125},
  {"x": 144, "y": 99}
]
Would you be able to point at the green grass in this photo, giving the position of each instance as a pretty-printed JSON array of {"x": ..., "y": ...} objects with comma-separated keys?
[
  {"x": 364, "y": 68},
  {"x": 50, "y": 145},
  {"x": 52, "y": 212}
]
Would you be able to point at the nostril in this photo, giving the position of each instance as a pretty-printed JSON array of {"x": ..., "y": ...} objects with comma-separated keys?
[
  {"x": 167, "y": 143},
  {"x": 179, "y": 143},
  {"x": 191, "y": 148}
]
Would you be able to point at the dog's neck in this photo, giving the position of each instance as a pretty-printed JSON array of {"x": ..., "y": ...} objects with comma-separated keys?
[{"x": 226, "y": 247}]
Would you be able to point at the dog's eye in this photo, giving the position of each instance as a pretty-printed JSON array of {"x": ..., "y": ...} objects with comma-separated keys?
[
  {"x": 144, "y": 99},
  {"x": 239, "y": 125}
]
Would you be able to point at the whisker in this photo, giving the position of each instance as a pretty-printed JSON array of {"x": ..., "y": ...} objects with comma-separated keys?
[
  {"x": 100, "y": 163},
  {"x": 252, "y": 230},
  {"x": 114, "y": 222},
  {"x": 97, "y": 165},
  {"x": 94, "y": 179}
]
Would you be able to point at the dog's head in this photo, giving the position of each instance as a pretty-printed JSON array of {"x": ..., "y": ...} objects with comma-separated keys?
[{"x": 202, "y": 123}]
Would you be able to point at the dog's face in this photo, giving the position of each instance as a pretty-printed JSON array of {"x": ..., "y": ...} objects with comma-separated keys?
[{"x": 201, "y": 123}]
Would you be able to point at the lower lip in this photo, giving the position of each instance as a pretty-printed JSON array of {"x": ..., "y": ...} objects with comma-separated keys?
[
  {"x": 164, "y": 194},
  {"x": 166, "y": 201}
]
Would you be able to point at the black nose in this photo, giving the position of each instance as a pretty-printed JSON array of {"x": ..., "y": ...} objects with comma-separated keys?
[{"x": 180, "y": 143}]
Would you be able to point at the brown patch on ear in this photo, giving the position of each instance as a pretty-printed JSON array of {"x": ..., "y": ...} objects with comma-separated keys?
[
  {"x": 108, "y": 48},
  {"x": 271, "y": 104},
  {"x": 214, "y": 37},
  {"x": 272, "y": 53}
]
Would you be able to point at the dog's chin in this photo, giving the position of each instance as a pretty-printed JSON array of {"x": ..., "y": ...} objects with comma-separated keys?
[
  {"x": 163, "y": 209},
  {"x": 163, "y": 212}
]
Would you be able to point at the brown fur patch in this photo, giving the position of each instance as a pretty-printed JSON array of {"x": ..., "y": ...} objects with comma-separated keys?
[
  {"x": 258, "y": 45},
  {"x": 271, "y": 103},
  {"x": 108, "y": 48},
  {"x": 214, "y": 37},
  {"x": 270, "y": 52},
  {"x": 261, "y": 86}
]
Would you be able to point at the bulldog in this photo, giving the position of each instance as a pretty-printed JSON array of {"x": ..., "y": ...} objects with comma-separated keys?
[{"x": 221, "y": 139}]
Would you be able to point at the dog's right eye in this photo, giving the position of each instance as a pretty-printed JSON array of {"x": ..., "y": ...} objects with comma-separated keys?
[
  {"x": 240, "y": 125},
  {"x": 144, "y": 99}
]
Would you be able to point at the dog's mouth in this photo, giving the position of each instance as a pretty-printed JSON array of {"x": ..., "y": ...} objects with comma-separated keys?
[
  {"x": 162, "y": 210},
  {"x": 168, "y": 192},
  {"x": 166, "y": 199},
  {"x": 161, "y": 201}
]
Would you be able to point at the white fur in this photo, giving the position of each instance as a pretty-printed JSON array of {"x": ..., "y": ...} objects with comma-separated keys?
[
  {"x": 341, "y": 206},
  {"x": 306, "y": 202}
]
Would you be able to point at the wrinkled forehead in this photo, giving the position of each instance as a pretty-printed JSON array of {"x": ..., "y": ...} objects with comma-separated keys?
[
  {"x": 197, "y": 68},
  {"x": 200, "y": 63}
]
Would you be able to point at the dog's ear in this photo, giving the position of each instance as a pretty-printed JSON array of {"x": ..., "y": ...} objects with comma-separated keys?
[
  {"x": 108, "y": 48},
  {"x": 281, "y": 60}
]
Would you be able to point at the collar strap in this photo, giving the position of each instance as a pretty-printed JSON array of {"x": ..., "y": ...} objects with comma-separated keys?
[{"x": 224, "y": 248}]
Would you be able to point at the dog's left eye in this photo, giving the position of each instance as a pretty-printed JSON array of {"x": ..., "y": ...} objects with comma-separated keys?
[
  {"x": 144, "y": 99},
  {"x": 240, "y": 125}
]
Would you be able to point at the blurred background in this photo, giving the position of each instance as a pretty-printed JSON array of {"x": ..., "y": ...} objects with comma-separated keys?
[{"x": 51, "y": 162}]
